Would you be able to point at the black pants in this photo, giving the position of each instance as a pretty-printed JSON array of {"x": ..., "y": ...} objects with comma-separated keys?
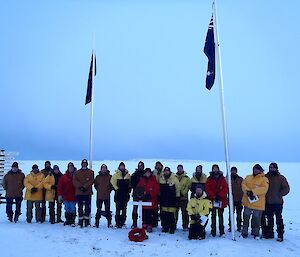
[
  {"x": 106, "y": 203},
  {"x": 121, "y": 211},
  {"x": 52, "y": 210},
  {"x": 168, "y": 221},
  {"x": 84, "y": 206},
  {"x": 267, "y": 221},
  {"x": 149, "y": 216},
  {"x": 214, "y": 213},
  {"x": 196, "y": 231},
  {"x": 237, "y": 208},
  {"x": 9, "y": 203}
]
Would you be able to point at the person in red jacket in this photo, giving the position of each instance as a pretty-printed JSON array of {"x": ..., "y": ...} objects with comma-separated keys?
[
  {"x": 66, "y": 194},
  {"x": 150, "y": 189},
  {"x": 217, "y": 189}
]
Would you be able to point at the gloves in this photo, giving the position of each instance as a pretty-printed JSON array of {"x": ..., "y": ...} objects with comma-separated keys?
[
  {"x": 147, "y": 197},
  {"x": 54, "y": 187},
  {"x": 82, "y": 189},
  {"x": 218, "y": 198},
  {"x": 60, "y": 199},
  {"x": 250, "y": 195},
  {"x": 33, "y": 190}
]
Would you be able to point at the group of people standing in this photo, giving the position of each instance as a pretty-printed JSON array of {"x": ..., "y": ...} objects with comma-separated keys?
[{"x": 258, "y": 195}]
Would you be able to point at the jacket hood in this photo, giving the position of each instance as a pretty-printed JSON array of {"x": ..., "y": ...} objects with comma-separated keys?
[
  {"x": 212, "y": 175},
  {"x": 273, "y": 173},
  {"x": 204, "y": 195},
  {"x": 18, "y": 171},
  {"x": 181, "y": 175},
  {"x": 105, "y": 174}
]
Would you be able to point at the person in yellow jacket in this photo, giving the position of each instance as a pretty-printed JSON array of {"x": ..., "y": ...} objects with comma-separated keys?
[
  {"x": 198, "y": 209},
  {"x": 169, "y": 200},
  {"x": 198, "y": 179},
  {"x": 121, "y": 184},
  {"x": 33, "y": 183},
  {"x": 255, "y": 188},
  {"x": 49, "y": 186},
  {"x": 184, "y": 184}
]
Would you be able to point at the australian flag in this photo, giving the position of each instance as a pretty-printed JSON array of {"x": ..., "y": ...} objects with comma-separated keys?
[
  {"x": 209, "y": 50},
  {"x": 89, "y": 90}
]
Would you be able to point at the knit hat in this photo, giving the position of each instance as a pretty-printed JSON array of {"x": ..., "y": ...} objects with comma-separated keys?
[
  {"x": 34, "y": 166},
  {"x": 15, "y": 164},
  {"x": 55, "y": 167},
  {"x": 84, "y": 161},
  {"x": 148, "y": 170}
]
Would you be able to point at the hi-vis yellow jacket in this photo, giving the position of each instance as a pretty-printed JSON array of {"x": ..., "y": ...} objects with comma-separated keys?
[{"x": 199, "y": 206}]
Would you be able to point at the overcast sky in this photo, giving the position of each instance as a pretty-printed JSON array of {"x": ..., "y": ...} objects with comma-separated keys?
[{"x": 150, "y": 98}]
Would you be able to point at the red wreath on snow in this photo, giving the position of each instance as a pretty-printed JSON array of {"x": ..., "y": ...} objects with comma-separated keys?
[{"x": 137, "y": 235}]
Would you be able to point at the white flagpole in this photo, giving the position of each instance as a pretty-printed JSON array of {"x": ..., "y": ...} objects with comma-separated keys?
[
  {"x": 225, "y": 135},
  {"x": 92, "y": 108}
]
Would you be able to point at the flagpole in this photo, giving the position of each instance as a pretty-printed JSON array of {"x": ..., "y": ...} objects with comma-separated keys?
[
  {"x": 224, "y": 123},
  {"x": 92, "y": 108}
]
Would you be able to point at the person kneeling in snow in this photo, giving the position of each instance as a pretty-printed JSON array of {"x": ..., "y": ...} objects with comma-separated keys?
[{"x": 198, "y": 209}]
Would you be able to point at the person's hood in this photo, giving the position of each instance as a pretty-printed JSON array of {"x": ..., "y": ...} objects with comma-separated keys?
[
  {"x": 204, "y": 195},
  {"x": 105, "y": 174},
  {"x": 18, "y": 171}
]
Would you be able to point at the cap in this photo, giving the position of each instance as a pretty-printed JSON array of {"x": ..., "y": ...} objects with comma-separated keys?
[{"x": 167, "y": 168}]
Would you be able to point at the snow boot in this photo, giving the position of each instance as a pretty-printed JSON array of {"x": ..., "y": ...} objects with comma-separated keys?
[
  {"x": 87, "y": 222},
  {"x": 67, "y": 216},
  {"x": 80, "y": 222},
  {"x": 72, "y": 219},
  {"x": 109, "y": 225},
  {"x": 16, "y": 218},
  {"x": 97, "y": 219},
  {"x": 134, "y": 219}
]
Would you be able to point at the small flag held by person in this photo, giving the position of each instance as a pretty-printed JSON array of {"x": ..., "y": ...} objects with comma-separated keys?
[
  {"x": 209, "y": 50},
  {"x": 89, "y": 90}
]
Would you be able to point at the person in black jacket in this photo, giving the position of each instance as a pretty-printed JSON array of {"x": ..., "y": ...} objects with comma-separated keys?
[
  {"x": 57, "y": 175},
  {"x": 169, "y": 200},
  {"x": 135, "y": 179},
  {"x": 121, "y": 184}
]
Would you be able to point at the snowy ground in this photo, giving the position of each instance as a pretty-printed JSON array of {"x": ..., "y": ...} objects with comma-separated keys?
[{"x": 32, "y": 240}]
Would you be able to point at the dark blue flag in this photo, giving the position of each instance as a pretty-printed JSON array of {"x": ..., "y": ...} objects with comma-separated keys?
[
  {"x": 209, "y": 50},
  {"x": 89, "y": 90}
]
